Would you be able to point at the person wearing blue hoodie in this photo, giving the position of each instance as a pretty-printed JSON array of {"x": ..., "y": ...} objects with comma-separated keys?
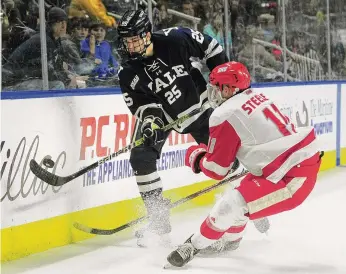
[{"x": 95, "y": 47}]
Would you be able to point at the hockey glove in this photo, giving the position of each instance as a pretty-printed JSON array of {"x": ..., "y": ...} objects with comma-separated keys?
[
  {"x": 152, "y": 130},
  {"x": 193, "y": 156}
]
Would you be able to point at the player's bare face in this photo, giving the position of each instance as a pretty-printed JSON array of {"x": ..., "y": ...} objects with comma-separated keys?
[
  {"x": 227, "y": 92},
  {"x": 134, "y": 44}
]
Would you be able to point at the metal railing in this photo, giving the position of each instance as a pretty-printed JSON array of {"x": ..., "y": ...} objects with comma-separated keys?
[{"x": 297, "y": 58}]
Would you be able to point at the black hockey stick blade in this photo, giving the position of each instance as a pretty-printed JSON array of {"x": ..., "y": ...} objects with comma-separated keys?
[
  {"x": 47, "y": 176},
  {"x": 111, "y": 231},
  {"x": 56, "y": 180}
]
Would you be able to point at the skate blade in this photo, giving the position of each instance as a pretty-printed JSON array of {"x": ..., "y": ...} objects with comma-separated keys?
[{"x": 168, "y": 266}]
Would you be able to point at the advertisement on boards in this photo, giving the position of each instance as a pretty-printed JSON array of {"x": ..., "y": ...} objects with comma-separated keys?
[
  {"x": 104, "y": 131},
  {"x": 78, "y": 131},
  {"x": 310, "y": 105},
  {"x": 34, "y": 129},
  {"x": 343, "y": 121},
  {"x": 75, "y": 132}
]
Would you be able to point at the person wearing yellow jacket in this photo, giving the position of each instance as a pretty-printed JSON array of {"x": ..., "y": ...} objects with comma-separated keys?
[{"x": 94, "y": 8}]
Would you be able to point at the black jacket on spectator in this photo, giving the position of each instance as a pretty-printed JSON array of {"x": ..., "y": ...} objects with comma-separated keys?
[
  {"x": 17, "y": 35},
  {"x": 72, "y": 52},
  {"x": 25, "y": 62}
]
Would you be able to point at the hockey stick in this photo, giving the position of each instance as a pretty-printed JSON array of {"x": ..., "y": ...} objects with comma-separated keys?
[
  {"x": 56, "y": 180},
  {"x": 98, "y": 231}
]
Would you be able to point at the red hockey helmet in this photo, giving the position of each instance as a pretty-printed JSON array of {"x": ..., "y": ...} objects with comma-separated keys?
[{"x": 232, "y": 74}]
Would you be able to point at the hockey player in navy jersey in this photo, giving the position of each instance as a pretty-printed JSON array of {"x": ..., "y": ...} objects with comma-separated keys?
[{"x": 160, "y": 82}]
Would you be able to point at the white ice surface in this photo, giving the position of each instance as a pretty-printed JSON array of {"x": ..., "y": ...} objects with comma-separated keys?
[{"x": 309, "y": 239}]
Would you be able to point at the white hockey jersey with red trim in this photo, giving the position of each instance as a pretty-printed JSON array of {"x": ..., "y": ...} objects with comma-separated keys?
[{"x": 250, "y": 127}]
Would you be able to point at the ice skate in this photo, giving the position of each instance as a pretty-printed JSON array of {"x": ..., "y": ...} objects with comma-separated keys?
[
  {"x": 221, "y": 245},
  {"x": 183, "y": 254}
]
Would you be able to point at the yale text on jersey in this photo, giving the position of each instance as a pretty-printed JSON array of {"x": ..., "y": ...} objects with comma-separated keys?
[{"x": 169, "y": 78}]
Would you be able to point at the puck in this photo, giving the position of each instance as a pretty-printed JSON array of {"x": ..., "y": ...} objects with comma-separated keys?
[{"x": 48, "y": 162}]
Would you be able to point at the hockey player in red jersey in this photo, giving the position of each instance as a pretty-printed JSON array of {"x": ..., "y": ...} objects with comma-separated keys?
[{"x": 282, "y": 162}]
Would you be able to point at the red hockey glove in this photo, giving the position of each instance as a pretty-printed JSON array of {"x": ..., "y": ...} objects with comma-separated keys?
[{"x": 193, "y": 156}]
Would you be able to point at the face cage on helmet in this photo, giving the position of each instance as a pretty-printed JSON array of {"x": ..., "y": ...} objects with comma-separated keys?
[
  {"x": 135, "y": 55},
  {"x": 214, "y": 96}
]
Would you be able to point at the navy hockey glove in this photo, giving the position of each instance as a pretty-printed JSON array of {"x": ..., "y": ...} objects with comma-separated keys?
[{"x": 152, "y": 130}]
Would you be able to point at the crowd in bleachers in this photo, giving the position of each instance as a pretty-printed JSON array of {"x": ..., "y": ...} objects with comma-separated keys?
[{"x": 82, "y": 44}]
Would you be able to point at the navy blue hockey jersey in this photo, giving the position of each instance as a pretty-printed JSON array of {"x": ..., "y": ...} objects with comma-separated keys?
[{"x": 170, "y": 82}]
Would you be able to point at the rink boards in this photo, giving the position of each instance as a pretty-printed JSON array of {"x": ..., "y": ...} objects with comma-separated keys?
[{"x": 76, "y": 128}]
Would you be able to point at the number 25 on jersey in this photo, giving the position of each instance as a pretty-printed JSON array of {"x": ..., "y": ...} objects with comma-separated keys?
[{"x": 173, "y": 95}]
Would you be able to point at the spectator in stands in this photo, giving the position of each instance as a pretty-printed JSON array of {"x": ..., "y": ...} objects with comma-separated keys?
[
  {"x": 97, "y": 49},
  {"x": 23, "y": 70},
  {"x": 339, "y": 60},
  {"x": 337, "y": 51},
  {"x": 267, "y": 24},
  {"x": 265, "y": 62},
  {"x": 208, "y": 9},
  {"x": 250, "y": 11},
  {"x": 17, "y": 32},
  {"x": 161, "y": 18},
  {"x": 78, "y": 30},
  {"x": 71, "y": 48},
  {"x": 156, "y": 17},
  {"x": 200, "y": 13},
  {"x": 187, "y": 8},
  {"x": 215, "y": 29},
  {"x": 277, "y": 52},
  {"x": 6, "y": 7},
  {"x": 308, "y": 68}
]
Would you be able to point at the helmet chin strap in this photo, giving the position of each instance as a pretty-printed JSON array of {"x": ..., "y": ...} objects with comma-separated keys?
[{"x": 146, "y": 45}]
